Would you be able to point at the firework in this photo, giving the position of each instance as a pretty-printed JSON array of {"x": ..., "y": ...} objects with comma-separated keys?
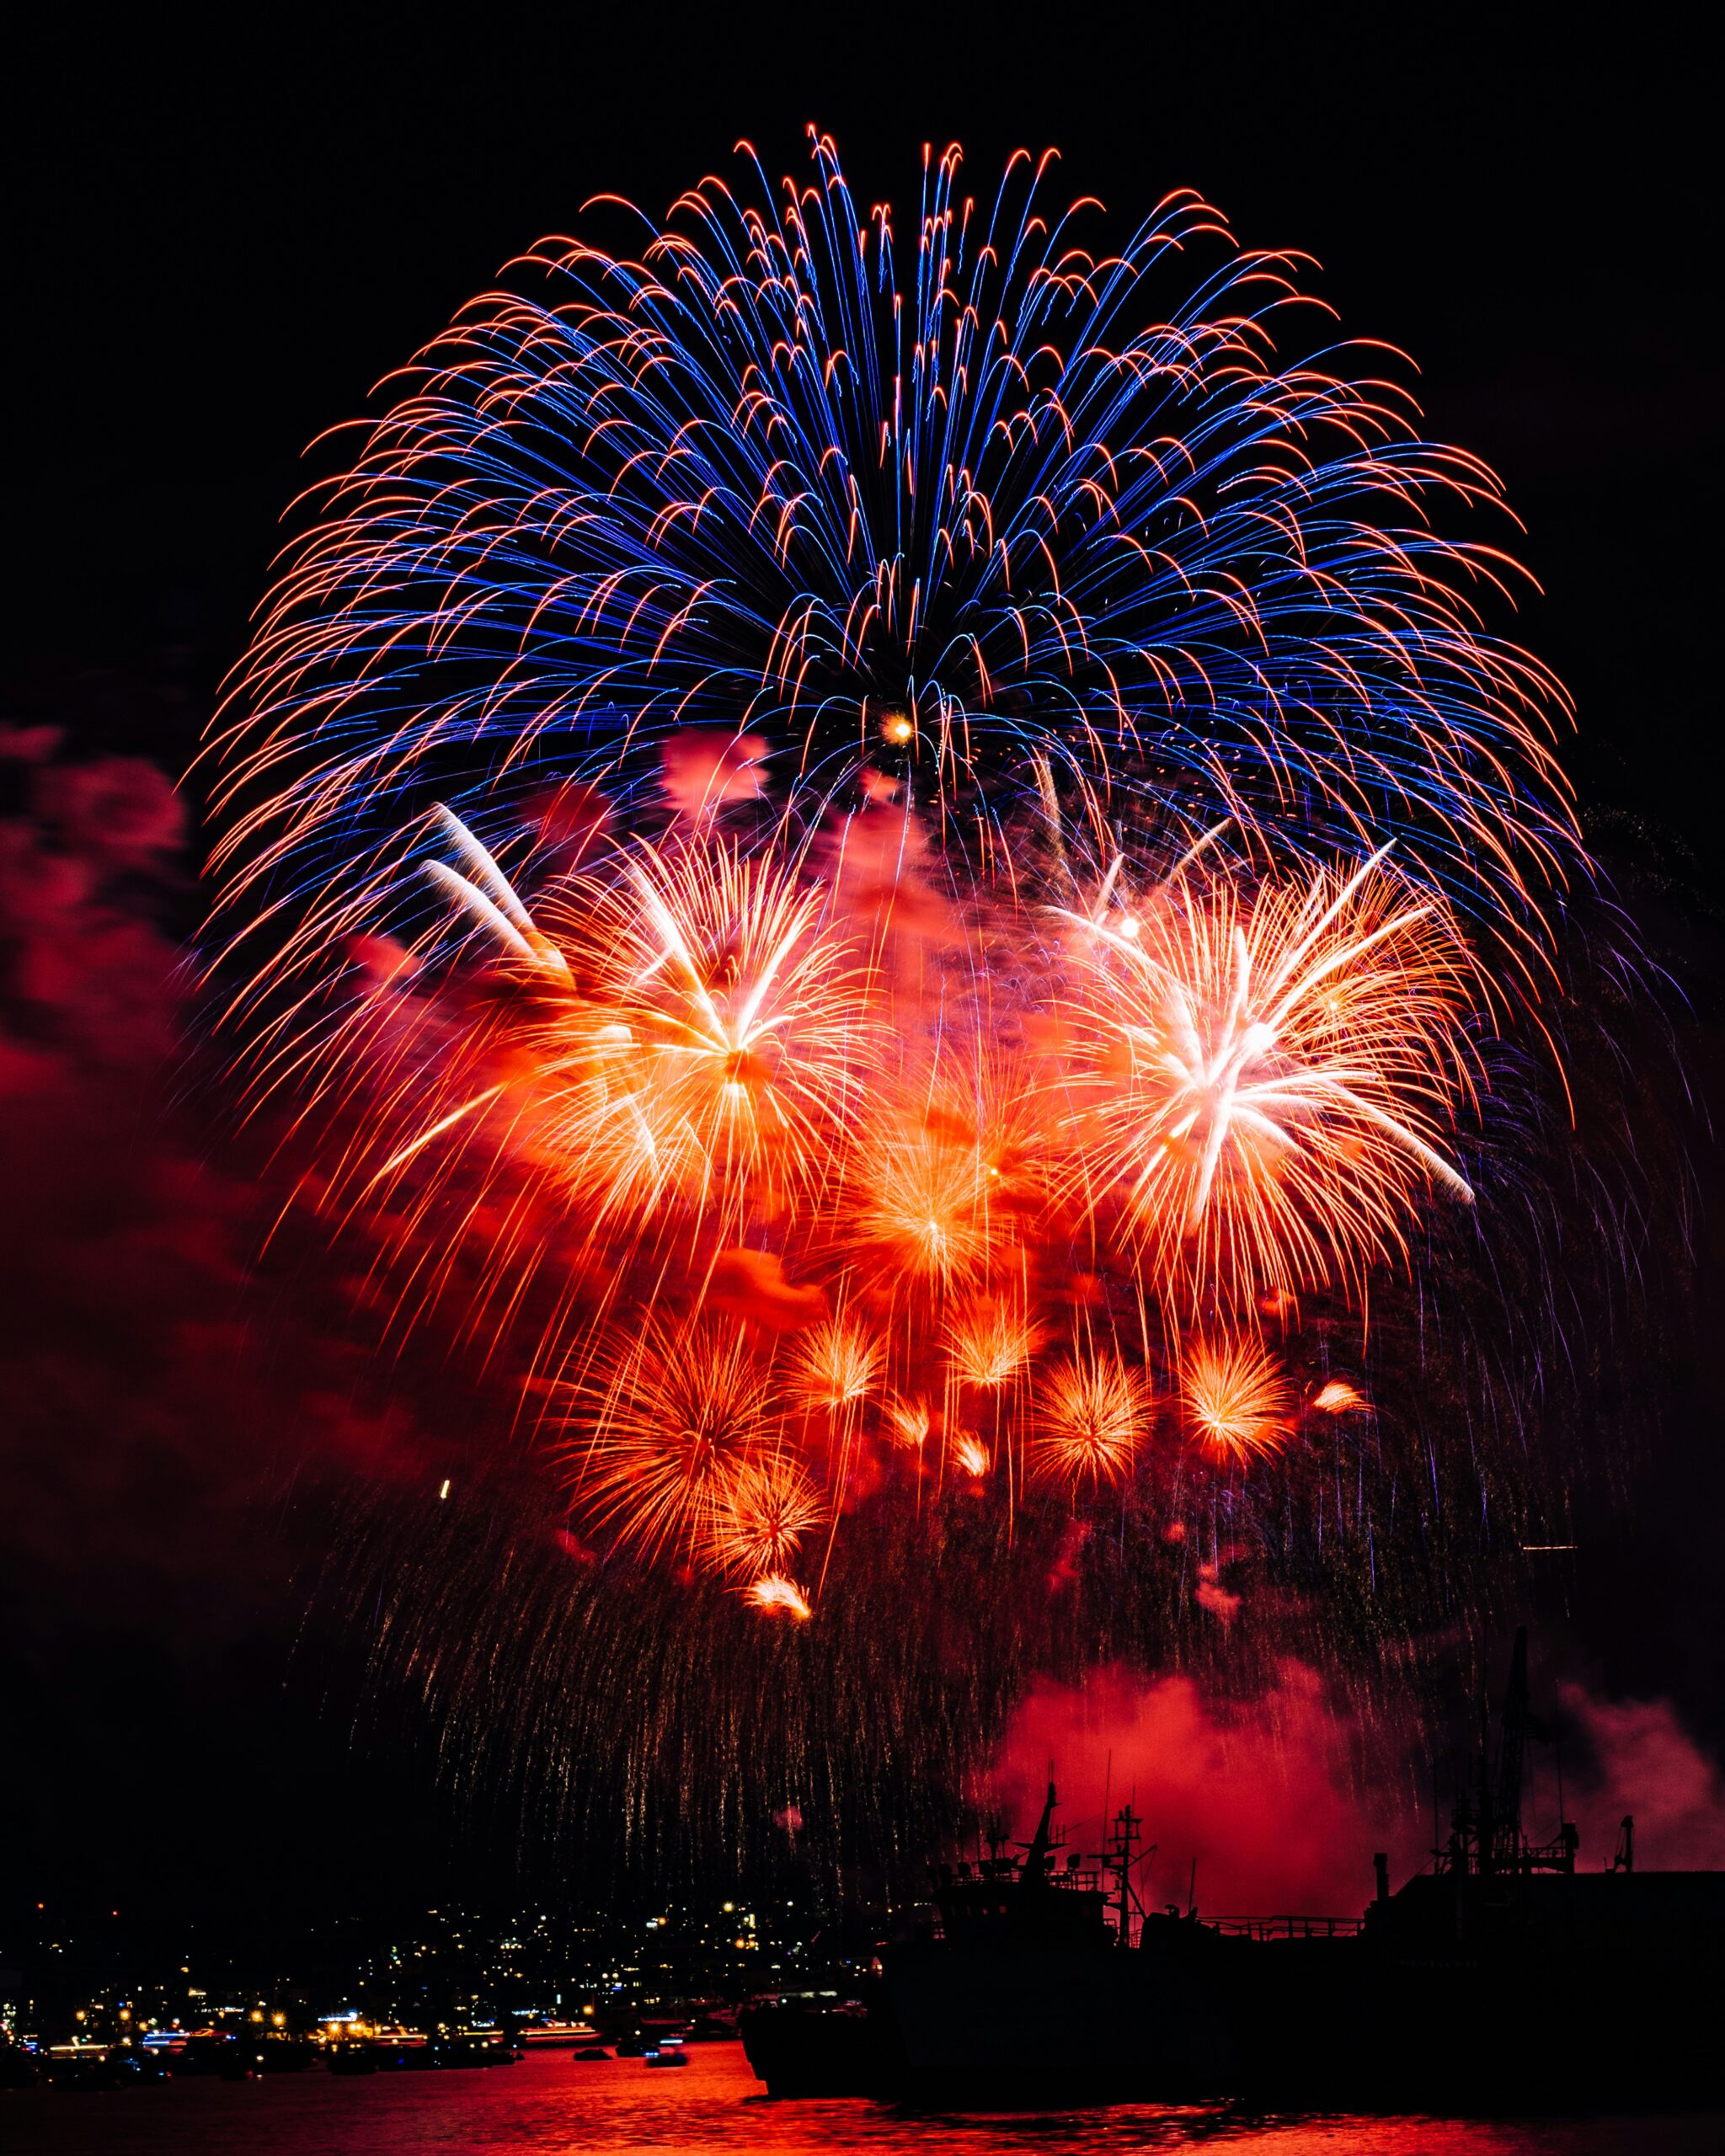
[
  {"x": 1271, "y": 1073},
  {"x": 969, "y": 1455},
  {"x": 1234, "y": 1398},
  {"x": 908, "y": 1424},
  {"x": 990, "y": 1343},
  {"x": 683, "y": 1415},
  {"x": 838, "y": 1365},
  {"x": 780, "y": 1597},
  {"x": 1091, "y": 1416},
  {"x": 920, "y": 1197},
  {"x": 720, "y": 1040},
  {"x": 972, "y": 809},
  {"x": 763, "y": 1509},
  {"x": 1338, "y": 1397}
]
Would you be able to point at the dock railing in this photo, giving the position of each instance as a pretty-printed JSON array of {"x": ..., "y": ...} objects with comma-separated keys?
[{"x": 1288, "y": 1927}]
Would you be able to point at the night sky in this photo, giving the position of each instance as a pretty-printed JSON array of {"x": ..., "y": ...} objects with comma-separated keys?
[{"x": 222, "y": 239}]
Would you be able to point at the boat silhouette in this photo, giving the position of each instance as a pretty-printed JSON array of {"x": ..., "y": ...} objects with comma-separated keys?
[{"x": 1502, "y": 1975}]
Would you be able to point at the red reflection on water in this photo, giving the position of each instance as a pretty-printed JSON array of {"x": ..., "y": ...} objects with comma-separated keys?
[{"x": 549, "y": 2106}]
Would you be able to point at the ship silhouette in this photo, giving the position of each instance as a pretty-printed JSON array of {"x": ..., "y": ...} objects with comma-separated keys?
[{"x": 1503, "y": 1976}]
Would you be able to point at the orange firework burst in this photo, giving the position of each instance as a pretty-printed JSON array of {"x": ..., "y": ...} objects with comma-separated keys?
[
  {"x": 686, "y": 1410},
  {"x": 721, "y": 1040},
  {"x": 908, "y": 1424},
  {"x": 1091, "y": 1416},
  {"x": 1338, "y": 1397},
  {"x": 837, "y": 1365},
  {"x": 990, "y": 1343},
  {"x": 922, "y": 1201},
  {"x": 761, "y": 1513},
  {"x": 1235, "y": 1397},
  {"x": 970, "y": 1456},
  {"x": 1267, "y": 1075},
  {"x": 780, "y": 1597},
  {"x": 944, "y": 1183}
]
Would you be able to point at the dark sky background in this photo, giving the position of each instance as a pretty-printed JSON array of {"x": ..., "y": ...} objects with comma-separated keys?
[{"x": 223, "y": 236}]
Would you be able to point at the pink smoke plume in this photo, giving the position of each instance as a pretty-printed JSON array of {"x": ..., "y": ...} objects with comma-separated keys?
[
  {"x": 1282, "y": 1798},
  {"x": 704, "y": 770},
  {"x": 1645, "y": 1764},
  {"x": 1276, "y": 1798}
]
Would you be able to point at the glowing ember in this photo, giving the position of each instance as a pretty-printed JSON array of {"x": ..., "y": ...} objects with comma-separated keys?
[
  {"x": 1338, "y": 1397},
  {"x": 780, "y": 1597}
]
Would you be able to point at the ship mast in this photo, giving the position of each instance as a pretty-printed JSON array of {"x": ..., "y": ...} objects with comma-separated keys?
[
  {"x": 1036, "y": 1852},
  {"x": 1485, "y": 1836},
  {"x": 1501, "y": 1831},
  {"x": 1128, "y": 1829}
]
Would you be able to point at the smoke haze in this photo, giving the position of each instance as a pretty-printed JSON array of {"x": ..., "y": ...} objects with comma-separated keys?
[{"x": 1281, "y": 1798}]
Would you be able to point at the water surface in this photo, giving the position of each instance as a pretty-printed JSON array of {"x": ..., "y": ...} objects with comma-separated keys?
[{"x": 549, "y": 2104}]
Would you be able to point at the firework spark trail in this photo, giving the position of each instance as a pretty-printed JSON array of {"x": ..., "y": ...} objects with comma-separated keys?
[{"x": 926, "y": 857}]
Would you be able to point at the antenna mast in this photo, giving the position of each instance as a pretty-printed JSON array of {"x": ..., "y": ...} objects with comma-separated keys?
[{"x": 1129, "y": 1830}]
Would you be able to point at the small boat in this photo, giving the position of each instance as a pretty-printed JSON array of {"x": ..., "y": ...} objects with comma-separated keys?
[
  {"x": 81, "y": 2070},
  {"x": 591, "y": 2051},
  {"x": 668, "y": 2055},
  {"x": 473, "y": 2048}
]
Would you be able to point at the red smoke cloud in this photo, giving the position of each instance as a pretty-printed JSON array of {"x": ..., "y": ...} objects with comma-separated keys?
[
  {"x": 1282, "y": 1798},
  {"x": 1270, "y": 1796},
  {"x": 1644, "y": 1764},
  {"x": 705, "y": 770},
  {"x": 156, "y": 1386}
]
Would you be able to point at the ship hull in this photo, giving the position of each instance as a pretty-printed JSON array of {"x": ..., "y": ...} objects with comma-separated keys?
[
  {"x": 1486, "y": 2031},
  {"x": 1587, "y": 2013},
  {"x": 1047, "y": 2026}
]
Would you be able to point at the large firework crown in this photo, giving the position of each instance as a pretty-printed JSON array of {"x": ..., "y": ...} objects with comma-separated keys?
[
  {"x": 988, "y": 511},
  {"x": 930, "y": 827}
]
